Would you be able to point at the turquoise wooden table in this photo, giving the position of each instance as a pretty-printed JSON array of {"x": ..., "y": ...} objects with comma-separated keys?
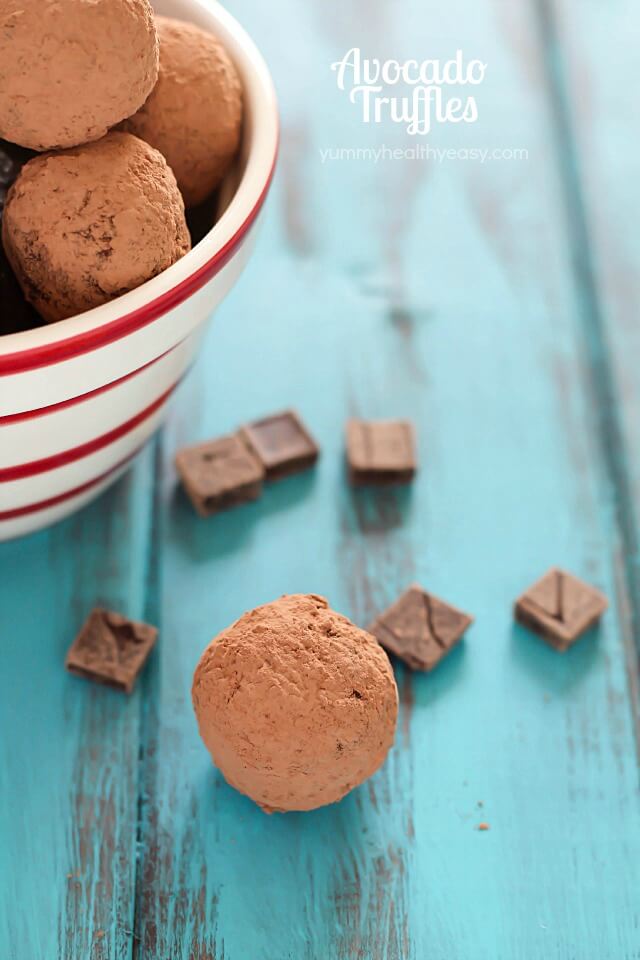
[{"x": 493, "y": 302}]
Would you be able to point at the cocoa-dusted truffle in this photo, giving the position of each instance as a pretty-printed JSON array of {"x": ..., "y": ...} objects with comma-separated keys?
[
  {"x": 69, "y": 70},
  {"x": 296, "y": 704},
  {"x": 194, "y": 115},
  {"x": 84, "y": 226}
]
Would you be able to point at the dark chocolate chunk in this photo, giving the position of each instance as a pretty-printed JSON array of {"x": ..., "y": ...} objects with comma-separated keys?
[
  {"x": 12, "y": 159},
  {"x": 282, "y": 444},
  {"x": 15, "y": 313},
  {"x": 419, "y": 628},
  {"x": 220, "y": 474},
  {"x": 560, "y": 607},
  {"x": 202, "y": 219},
  {"x": 111, "y": 649},
  {"x": 380, "y": 452}
]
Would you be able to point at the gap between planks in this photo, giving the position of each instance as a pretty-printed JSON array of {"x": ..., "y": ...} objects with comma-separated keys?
[{"x": 148, "y": 700}]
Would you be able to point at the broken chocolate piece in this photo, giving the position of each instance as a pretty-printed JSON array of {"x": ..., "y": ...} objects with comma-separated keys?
[
  {"x": 560, "y": 608},
  {"x": 282, "y": 444},
  {"x": 419, "y": 628},
  {"x": 220, "y": 474},
  {"x": 380, "y": 452},
  {"x": 111, "y": 649}
]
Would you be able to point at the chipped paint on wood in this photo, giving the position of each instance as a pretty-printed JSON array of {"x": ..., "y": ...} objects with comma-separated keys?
[{"x": 449, "y": 296}]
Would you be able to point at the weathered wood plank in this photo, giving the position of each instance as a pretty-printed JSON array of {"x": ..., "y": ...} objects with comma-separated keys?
[
  {"x": 448, "y": 292},
  {"x": 69, "y": 749},
  {"x": 594, "y": 73},
  {"x": 445, "y": 291}
]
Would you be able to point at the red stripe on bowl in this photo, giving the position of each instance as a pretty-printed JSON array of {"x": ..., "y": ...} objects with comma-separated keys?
[
  {"x": 68, "y": 494},
  {"x": 72, "y": 401},
  {"x": 89, "y": 340},
  {"x": 22, "y": 470}
]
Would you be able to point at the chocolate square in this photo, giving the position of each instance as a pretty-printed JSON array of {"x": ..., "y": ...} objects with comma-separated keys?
[
  {"x": 420, "y": 628},
  {"x": 111, "y": 649},
  {"x": 220, "y": 474},
  {"x": 380, "y": 452},
  {"x": 560, "y": 608},
  {"x": 282, "y": 444}
]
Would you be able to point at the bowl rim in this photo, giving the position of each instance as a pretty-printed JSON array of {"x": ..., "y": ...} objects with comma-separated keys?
[{"x": 83, "y": 333}]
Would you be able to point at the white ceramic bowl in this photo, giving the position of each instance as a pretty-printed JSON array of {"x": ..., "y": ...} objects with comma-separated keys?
[{"x": 79, "y": 398}]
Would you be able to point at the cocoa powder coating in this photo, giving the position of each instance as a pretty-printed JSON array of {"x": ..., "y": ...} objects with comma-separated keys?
[
  {"x": 194, "y": 114},
  {"x": 91, "y": 223},
  {"x": 71, "y": 69},
  {"x": 296, "y": 705}
]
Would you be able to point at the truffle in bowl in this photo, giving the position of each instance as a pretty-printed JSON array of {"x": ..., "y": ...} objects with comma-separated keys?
[
  {"x": 79, "y": 397},
  {"x": 194, "y": 114},
  {"x": 82, "y": 226},
  {"x": 69, "y": 70}
]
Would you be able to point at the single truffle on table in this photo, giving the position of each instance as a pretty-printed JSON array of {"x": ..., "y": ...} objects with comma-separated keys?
[
  {"x": 194, "y": 115},
  {"x": 86, "y": 225},
  {"x": 296, "y": 705},
  {"x": 72, "y": 69}
]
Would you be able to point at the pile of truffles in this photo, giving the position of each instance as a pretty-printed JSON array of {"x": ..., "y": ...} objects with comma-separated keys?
[
  {"x": 132, "y": 118},
  {"x": 296, "y": 704}
]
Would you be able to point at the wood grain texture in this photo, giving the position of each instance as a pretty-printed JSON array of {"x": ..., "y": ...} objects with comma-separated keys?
[
  {"x": 593, "y": 71},
  {"x": 69, "y": 750},
  {"x": 447, "y": 292},
  {"x": 451, "y": 293}
]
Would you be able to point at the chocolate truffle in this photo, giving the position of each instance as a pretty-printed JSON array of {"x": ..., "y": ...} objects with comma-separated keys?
[
  {"x": 84, "y": 226},
  {"x": 69, "y": 70},
  {"x": 194, "y": 115},
  {"x": 296, "y": 705}
]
